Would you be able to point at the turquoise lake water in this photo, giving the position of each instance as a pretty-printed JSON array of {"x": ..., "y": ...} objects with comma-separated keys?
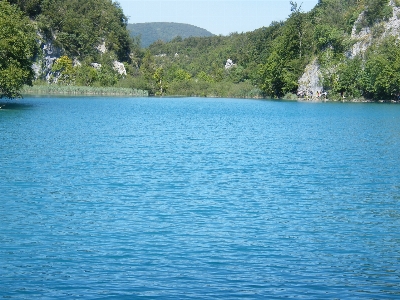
[{"x": 157, "y": 198}]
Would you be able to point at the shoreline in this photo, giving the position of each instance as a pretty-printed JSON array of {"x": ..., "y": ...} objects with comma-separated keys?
[
  {"x": 348, "y": 101},
  {"x": 82, "y": 91}
]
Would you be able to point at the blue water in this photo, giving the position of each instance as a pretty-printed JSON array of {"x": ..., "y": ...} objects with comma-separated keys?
[{"x": 121, "y": 198}]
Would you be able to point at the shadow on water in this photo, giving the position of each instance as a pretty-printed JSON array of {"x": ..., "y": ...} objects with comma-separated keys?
[{"x": 14, "y": 105}]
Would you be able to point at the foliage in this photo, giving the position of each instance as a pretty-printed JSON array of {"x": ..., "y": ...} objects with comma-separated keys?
[
  {"x": 64, "y": 69},
  {"x": 80, "y": 26},
  {"x": 17, "y": 50},
  {"x": 377, "y": 10},
  {"x": 266, "y": 62},
  {"x": 381, "y": 78},
  {"x": 159, "y": 80},
  {"x": 31, "y": 7},
  {"x": 348, "y": 78},
  {"x": 56, "y": 89}
]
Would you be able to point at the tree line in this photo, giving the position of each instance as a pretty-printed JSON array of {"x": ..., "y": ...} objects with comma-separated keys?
[{"x": 267, "y": 62}]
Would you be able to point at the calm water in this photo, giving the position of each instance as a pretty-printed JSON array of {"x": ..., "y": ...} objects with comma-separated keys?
[{"x": 199, "y": 198}]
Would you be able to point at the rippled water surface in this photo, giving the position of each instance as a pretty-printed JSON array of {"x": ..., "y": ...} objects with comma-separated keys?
[{"x": 112, "y": 198}]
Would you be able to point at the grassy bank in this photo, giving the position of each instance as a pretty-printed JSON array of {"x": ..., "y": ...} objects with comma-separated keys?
[{"x": 54, "y": 89}]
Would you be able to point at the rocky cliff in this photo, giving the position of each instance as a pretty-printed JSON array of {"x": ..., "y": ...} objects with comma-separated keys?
[{"x": 362, "y": 37}]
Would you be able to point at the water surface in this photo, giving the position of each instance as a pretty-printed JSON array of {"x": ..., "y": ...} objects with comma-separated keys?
[{"x": 104, "y": 198}]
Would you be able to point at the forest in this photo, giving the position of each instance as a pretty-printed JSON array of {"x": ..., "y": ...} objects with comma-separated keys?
[
  {"x": 265, "y": 63},
  {"x": 148, "y": 33}
]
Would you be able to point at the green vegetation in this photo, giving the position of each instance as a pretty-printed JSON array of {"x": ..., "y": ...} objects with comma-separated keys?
[
  {"x": 79, "y": 26},
  {"x": 149, "y": 33},
  {"x": 268, "y": 62},
  {"x": 17, "y": 49},
  {"x": 271, "y": 60},
  {"x": 47, "y": 89}
]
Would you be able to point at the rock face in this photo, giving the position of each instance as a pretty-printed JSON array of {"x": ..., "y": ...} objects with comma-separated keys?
[
  {"x": 312, "y": 78},
  {"x": 364, "y": 38},
  {"x": 119, "y": 68},
  {"x": 50, "y": 53},
  {"x": 229, "y": 64},
  {"x": 310, "y": 81},
  {"x": 42, "y": 67},
  {"x": 102, "y": 47}
]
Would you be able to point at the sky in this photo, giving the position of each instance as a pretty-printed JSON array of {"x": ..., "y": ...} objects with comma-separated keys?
[{"x": 217, "y": 16}]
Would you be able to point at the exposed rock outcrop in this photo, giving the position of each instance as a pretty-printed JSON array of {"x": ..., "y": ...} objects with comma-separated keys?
[
  {"x": 49, "y": 53},
  {"x": 311, "y": 80},
  {"x": 119, "y": 68},
  {"x": 364, "y": 38},
  {"x": 229, "y": 64},
  {"x": 102, "y": 47}
]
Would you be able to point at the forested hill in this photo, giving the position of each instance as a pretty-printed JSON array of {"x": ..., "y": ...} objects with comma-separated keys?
[
  {"x": 78, "y": 27},
  {"x": 349, "y": 48},
  {"x": 164, "y": 31}
]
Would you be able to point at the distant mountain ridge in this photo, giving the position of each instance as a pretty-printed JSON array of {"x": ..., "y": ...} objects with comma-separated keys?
[{"x": 164, "y": 31}]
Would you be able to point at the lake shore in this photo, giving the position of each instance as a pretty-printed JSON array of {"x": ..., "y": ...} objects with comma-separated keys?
[
  {"x": 82, "y": 91},
  {"x": 348, "y": 100}
]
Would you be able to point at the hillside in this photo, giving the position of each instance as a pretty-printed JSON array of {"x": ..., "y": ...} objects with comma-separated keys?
[
  {"x": 309, "y": 53},
  {"x": 164, "y": 31},
  {"x": 347, "y": 48},
  {"x": 81, "y": 42}
]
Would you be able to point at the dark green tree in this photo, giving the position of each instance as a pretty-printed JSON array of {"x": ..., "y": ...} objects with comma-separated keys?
[
  {"x": 80, "y": 26},
  {"x": 348, "y": 81},
  {"x": 381, "y": 76},
  {"x": 18, "y": 48},
  {"x": 31, "y": 7}
]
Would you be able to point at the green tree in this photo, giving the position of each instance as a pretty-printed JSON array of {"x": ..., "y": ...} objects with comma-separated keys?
[
  {"x": 348, "y": 78},
  {"x": 161, "y": 85},
  {"x": 377, "y": 10},
  {"x": 86, "y": 75},
  {"x": 31, "y": 7},
  {"x": 381, "y": 76},
  {"x": 181, "y": 75},
  {"x": 64, "y": 70},
  {"x": 148, "y": 69},
  {"x": 203, "y": 76},
  {"x": 80, "y": 26},
  {"x": 297, "y": 18},
  {"x": 17, "y": 50}
]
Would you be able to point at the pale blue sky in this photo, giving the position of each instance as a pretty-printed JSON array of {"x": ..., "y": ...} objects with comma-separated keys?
[{"x": 218, "y": 16}]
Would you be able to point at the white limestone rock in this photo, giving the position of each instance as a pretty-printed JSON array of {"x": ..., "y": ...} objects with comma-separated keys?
[
  {"x": 119, "y": 68},
  {"x": 229, "y": 64},
  {"x": 311, "y": 80}
]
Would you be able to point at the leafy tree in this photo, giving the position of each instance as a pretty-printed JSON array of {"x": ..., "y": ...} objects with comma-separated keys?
[
  {"x": 17, "y": 50},
  {"x": 348, "y": 78},
  {"x": 377, "y": 10},
  {"x": 326, "y": 36},
  {"x": 161, "y": 85},
  {"x": 31, "y": 7},
  {"x": 64, "y": 70},
  {"x": 86, "y": 75},
  {"x": 298, "y": 19},
  {"x": 272, "y": 74},
  {"x": 205, "y": 77},
  {"x": 381, "y": 77},
  {"x": 148, "y": 69},
  {"x": 181, "y": 75},
  {"x": 80, "y": 26}
]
